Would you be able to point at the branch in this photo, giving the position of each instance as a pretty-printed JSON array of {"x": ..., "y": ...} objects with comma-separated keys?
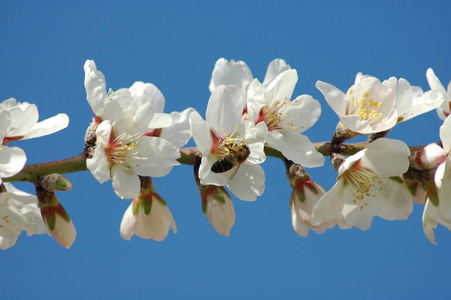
[
  {"x": 77, "y": 163},
  {"x": 32, "y": 173}
]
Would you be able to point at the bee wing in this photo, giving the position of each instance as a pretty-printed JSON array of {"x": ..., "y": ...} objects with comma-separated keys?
[{"x": 234, "y": 170}]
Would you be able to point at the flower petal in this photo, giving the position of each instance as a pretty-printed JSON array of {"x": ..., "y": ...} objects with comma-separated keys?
[
  {"x": 276, "y": 67},
  {"x": 224, "y": 109},
  {"x": 230, "y": 73},
  {"x": 127, "y": 228},
  {"x": 297, "y": 148},
  {"x": 179, "y": 132},
  {"x": 201, "y": 132},
  {"x": 126, "y": 183},
  {"x": 154, "y": 97},
  {"x": 154, "y": 157},
  {"x": 330, "y": 205},
  {"x": 248, "y": 182},
  {"x": 95, "y": 86},
  {"x": 12, "y": 160},
  {"x": 282, "y": 87},
  {"x": 445, "y": 134},
  {"x": 334, "y": 97},
  {"x": 387, "y": 157},
  {"x": 48, "y": 126}
]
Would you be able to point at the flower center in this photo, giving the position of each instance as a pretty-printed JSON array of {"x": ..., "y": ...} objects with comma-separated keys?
[
  {"x": 363, "y": 183},
  {"x": 120, "y": 150},
  {"x": 365, "y": 107},
  {"x": 277, "y": 116}
]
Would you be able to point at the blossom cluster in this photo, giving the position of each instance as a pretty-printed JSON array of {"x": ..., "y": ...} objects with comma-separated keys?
[{"x": 131, "y": 140}]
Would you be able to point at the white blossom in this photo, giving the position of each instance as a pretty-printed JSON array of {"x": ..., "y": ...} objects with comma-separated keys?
[
  {"x": 122, "y": 157},
  {"x": 364, "y": 189},
  {"x": 224, "y": 125},
  {"x": 367, "y": 107},
  {"x": 286, "y": 120}
]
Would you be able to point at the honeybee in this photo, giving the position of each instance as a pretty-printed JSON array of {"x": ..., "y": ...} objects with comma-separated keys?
[{"x": 236, "y": 153}]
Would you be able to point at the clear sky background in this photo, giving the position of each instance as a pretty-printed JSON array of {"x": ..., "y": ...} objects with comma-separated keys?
[{"x": 175, "y": 44}]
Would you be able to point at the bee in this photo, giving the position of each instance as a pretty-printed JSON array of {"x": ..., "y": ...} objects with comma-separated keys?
[{"x": 236, "y": 153}]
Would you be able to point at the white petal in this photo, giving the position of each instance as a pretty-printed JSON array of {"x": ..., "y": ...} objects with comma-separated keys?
[
  {"x": 445, "y": 134},
  {"x": 128, "y": 222},
  {"x": 5, "y": 123},
  {"x": 153, "y": 157},
  {"x": 387, "y": 157},
  {"x": 392, "y": 203},
  {"x": 98, "y": 165},
  {"x": 221, "y": 215},
  {"x": 225, "y": 109},
  {"x": 355, "y": 217},
  {"x": 154, "y": 96},
  {"x": 7, "y": 242},
  {"x": 275, "y": 67},
  {"x": 207, "y": 177},
  {"x": 404, "y": 96},
  {"x": 95, "y": 86},
  {"x": 126, "y": 184},
  {"x": 282, "y": 87},
  {"x": 230, "y": 73},
  {"x": 443, "y": 181},
  {"x": 425, "y": 103},
  {"x": 334, "y": 97},
  {"x": 12, "y": 160},
  {"x": 434, "y": 82},
  {"x": 48, "y": 126},
  {"x": 430, "y": 215},
  {"x": 160, "y": 120},
  {"x": 297, "y": 148},
  {"x": 302, "y": 114},
  {"x": 23, "y": 117},
  {"x": 201, "y": 132},
  {"x": 298, "y": 225},
  {"x": 248, "y": 183},
  {"x": 179, "y": 132},
  {"x": 330, "y": 205}
]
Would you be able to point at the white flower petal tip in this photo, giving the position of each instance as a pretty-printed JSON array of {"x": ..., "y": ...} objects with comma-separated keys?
[
  {"x": 59, "y": 224},
  {"x": 230, "y": 73}
]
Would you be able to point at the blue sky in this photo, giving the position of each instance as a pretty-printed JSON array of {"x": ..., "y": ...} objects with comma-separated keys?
[{"x": 174, "y": 44}]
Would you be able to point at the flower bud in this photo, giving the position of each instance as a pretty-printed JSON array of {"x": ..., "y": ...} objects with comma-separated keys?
[
  {"x": 56, "y": 218},
  {"x": 148, "y": 215},
  {"x": 55, "y": 182},
  {"x": 218, "y": 206},
  {"x": 430, "y": 157},
  {"x": 306, "y": 193}
]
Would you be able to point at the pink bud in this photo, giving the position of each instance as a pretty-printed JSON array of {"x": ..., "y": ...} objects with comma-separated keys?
[{"x": 430, "y": 157}]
